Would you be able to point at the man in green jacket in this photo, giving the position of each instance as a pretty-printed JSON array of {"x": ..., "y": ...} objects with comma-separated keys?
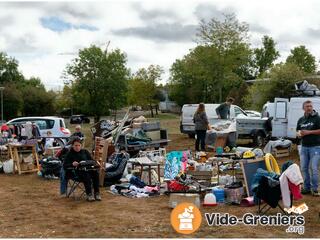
[{"x": 223, "y": 111}]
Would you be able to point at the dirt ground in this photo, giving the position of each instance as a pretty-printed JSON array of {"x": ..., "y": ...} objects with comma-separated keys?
[{"x": 31, "y": 207}]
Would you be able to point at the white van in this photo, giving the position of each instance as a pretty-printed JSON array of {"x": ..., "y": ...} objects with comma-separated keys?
[
  {"x": 268, "y": 110},
  {"x": 287, "y": 114},
  {"x": 188, "y": 110}
]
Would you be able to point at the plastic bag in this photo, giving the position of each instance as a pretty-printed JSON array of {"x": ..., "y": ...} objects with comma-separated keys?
[{"x": 8, "y": 166}]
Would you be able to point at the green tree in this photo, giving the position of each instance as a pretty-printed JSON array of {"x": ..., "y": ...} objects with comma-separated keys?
[
  {"x": 280, "y": 84},
  {"x": 37, "y": 101},
  {"x": 217, "y": 65},
  {"x": 12, "y": 101},
  {"x": 9, "y": 70},
  {"x": 143, "y": 89},
  {"x": 265, "y": 56},
  {"x": 99, "y": 80},
  {"x": 303, "y": 59},
  {"x": 230, "y": 41}
]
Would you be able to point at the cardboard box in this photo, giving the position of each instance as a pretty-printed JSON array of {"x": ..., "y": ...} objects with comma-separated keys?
[
  {"x": 177, "y": 198},
  {"x": 26, "y": 166}
]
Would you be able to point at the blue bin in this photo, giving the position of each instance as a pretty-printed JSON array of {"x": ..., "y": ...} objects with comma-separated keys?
[{"x": 219, "y": 193}]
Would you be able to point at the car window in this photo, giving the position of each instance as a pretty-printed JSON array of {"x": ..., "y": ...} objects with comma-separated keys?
[
  {"x": 238, "y": 111},
  {"x": 62, "y": 123},
  {"x": 44, "y": 123}
]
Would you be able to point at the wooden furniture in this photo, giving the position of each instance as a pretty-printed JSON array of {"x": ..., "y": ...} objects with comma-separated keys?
[
  {"x": 103, "y": 149},
  {"x": 148, "y": 164},
  {"x": 16, "y": 153},
  {"x": 281, "y": 152}
]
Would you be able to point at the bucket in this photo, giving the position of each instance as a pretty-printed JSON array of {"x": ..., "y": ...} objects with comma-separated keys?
[
  {"x": 210, "y": 200},
  {"x": 219, "y": 193},
  {"x": 219, "y": 150}
]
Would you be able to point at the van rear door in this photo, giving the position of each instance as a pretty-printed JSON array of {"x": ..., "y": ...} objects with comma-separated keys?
[
  {"x": 187, "y": 125},
  {"x": 280, "y": 119}
]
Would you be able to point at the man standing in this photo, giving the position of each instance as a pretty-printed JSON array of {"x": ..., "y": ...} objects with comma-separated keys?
[
  {"x": 223, "y": 111},
  {"x": 308, "y": 128}
]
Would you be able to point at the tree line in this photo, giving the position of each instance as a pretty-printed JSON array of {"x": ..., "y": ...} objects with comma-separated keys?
[{"x": 98, "y": 81}]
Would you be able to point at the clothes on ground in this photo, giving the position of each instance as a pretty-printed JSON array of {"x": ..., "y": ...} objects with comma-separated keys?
[
  {"x": 223, "y": 110},
  {"x": 135, "y": 189},
  {"x": 292, "y": 174},
  {"x": 309, "y": 122},
  {"x": 271, "y": 145},
  {"x": 137, "y": 182},
  {"x": 200, "y": 121}
]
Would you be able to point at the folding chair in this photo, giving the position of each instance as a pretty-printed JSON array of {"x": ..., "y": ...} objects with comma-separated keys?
[
  {"x": 75, "y": 187},
  {"x": 266, "y": 192}
]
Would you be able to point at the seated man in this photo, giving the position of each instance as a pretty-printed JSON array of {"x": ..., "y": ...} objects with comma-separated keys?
[
  {"x": 78, "y": 132},
  {"x": 91, "y": 177}
]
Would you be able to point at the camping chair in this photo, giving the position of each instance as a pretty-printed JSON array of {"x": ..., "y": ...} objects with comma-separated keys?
[
  {"x": 269, "y": 192},
  {"x": 75, "y": 187}
]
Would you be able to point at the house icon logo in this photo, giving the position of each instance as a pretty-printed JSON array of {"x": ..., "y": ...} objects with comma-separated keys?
[{"x": 186, "y": 218}]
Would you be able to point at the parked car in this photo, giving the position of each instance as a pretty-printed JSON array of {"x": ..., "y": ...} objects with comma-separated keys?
[
  {"x": 54, "y": 124},
  {"x": 79, "y": 119}
]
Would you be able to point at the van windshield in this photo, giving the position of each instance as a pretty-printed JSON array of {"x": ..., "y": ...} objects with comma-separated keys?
[{"x": 189, "y": 111}]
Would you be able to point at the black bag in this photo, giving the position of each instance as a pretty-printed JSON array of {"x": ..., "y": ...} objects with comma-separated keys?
[{"x": 51, "y": 166}]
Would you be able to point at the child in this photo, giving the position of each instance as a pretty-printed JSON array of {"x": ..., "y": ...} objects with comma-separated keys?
[{"x": 49, "y": 142}]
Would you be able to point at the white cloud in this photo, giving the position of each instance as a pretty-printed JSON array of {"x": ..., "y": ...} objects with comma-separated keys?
[{"x": 40, "y": 51}]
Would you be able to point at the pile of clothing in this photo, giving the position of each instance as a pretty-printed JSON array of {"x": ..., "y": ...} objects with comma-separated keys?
[
  {"x": 135, "y": 189},
  {"x": 271, "y": 145}
]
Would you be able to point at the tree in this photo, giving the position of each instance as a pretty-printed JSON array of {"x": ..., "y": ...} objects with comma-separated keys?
[
  {"x": 143, "y": 87},
  {"x": 280, "y": 84},
  {"x": 217, "y": 65},
  {"x": 230, "y": 41},
  {"x": 37, "y": 101},
  {"x": 99, "y": 80},
  {"x": 303, "y": 59},
  {"x": 265, "y": 56},
  {"x": 12, "y": 101},
  {"x": 9, "y": 72}
]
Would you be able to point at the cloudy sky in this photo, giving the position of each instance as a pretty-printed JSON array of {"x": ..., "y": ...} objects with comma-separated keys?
[{"x": 45, "y": 36}]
